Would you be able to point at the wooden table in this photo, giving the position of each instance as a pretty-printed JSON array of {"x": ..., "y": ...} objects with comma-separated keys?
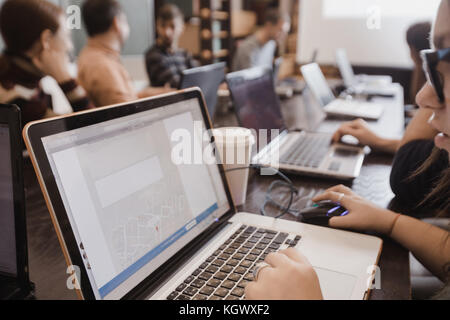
[
  {"x": 302, "y": 112},
  {"x": 48, "y": 268}
]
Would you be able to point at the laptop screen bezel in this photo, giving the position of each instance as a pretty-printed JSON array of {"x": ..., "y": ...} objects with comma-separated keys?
[
  {"x": 314, "y": 69},
  {"x": 33, "y": 134},
  {"x": 10, "y": 116}
]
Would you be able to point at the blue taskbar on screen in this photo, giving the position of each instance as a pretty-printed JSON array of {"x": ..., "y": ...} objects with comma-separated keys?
[{"x": 128, "y": 272}]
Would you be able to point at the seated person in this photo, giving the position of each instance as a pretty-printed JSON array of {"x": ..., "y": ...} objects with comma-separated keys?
[
  {"x": 100, "y": 70},
  {"x": 259, "y": 49},
  {"x": 165, "y": 61},
  {"x": 290, "y": 275},
  {"x": 416, "y": 145},
  {"x": 36, "y": 48}
]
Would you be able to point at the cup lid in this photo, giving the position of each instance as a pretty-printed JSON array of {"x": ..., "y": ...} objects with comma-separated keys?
[{"x": 233, "y": 134}]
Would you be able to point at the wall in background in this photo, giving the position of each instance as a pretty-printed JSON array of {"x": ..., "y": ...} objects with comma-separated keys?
[
  {"x": 372, "y": 31},
  {"x": 184, "y": 5}
]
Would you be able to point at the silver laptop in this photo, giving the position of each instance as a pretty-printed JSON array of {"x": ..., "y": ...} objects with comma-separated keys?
[
  {"x": 257, "y": 107},
  {"x": 288, "y": 86},
  {"x": 136, "y": 225},
  {"x": 337, "y": 107},
  {"x": 362, "y": 84}
]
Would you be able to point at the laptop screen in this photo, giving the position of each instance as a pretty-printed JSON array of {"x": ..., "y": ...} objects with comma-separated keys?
[
  {"x": 345, "y": 68},
  {"x": 208, "y": 78},
  {"x": 8, "y": 258},
  {"x": 257, "y": 105},
  {"x": 317, "y": 83},
  {"x": 131, "y": 203}
]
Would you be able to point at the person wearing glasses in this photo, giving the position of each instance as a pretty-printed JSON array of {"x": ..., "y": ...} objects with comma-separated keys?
[
  {"x": 413, "y": 149},
  {"x": 287, "y": 275}
]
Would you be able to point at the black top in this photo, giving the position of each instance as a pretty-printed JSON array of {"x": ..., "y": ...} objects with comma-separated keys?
[{"x": 410, "y": 192}]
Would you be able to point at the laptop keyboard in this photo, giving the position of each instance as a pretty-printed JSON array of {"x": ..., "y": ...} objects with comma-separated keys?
[
  {"x": 224, "y": 275},
  {"x": 307, "y": 151}
]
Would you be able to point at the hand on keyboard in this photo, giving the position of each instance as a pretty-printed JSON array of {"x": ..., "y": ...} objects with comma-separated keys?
[
  {"x": 225, "y": 274},
  {"x": 289, "y": 276}
]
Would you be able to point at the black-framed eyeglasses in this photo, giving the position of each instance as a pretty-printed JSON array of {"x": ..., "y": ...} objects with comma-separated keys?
[{"x": 431, "y": 59}]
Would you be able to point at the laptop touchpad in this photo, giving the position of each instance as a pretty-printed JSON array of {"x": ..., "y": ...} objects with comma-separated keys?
[
  {"x": 335, "y": 285},
  {"x": 345, "y": 153}
]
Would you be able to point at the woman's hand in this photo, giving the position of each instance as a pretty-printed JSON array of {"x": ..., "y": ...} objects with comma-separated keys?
[
  {"x": 290, "y": 276},
  {"x": 358, "y": 129},
  {"x": 55, "y": 63},
  {"x": 361, "y": 131},
  {"x": 363, "y": 215}
]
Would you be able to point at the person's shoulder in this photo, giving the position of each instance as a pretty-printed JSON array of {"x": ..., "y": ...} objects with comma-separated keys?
[
  {"x": 85, "y": 53},
  {"x": 154, "y": 53},
  {"x": 91, "y": 58},
  {"x": 152, "y": 49},
  {"x": 414, "y": 154},
  {"x": 249, "y": 42},
  {"x": 417, "y": 148},
  {"x": 94, "y": 70}
]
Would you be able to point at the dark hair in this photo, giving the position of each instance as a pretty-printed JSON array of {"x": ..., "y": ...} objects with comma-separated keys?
[
  {"x": 169, "y": 12},
  {"x": 23, "y": 21},
  {"x": 440, "y": 195},
  {"x": 418, "y": 36},
  {"x": 98, "y": 15},
  {"x": 274, "y": 16}
]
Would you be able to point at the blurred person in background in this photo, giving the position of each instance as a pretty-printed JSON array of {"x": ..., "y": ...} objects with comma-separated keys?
[
  {"x": 165, "y": 61},
  {"x": 259, "y": 49},
  {"x": 37, "y": 44},
  {"x": 100, "y": 69}
]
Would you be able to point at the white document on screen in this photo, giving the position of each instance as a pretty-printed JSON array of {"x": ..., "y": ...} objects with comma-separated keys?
[{"x": 126, "y": 196}]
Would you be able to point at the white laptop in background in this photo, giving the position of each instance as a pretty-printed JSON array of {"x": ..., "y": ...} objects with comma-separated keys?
[
  {"x": 332, "y": 106},
  {"x": 139, "y": 226},
  {"x": 362, "y": 83}
]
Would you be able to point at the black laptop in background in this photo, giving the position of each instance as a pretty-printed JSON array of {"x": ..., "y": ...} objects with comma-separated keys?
[
  {"x": 208, "y": 78},
  {"x": 14, "y": 279}
]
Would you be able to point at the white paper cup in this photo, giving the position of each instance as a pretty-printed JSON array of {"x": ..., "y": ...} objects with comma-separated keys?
[{"x": 234, "y": 145}]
